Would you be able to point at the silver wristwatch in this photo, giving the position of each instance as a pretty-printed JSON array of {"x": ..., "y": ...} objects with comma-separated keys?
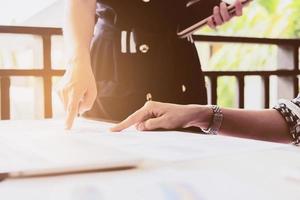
[{"x": 216, "y": 121}]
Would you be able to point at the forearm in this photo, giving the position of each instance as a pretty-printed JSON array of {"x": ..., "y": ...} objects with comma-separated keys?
[
  {"x": 260, "y": 124},
  {"x": 78, "y": 27},
  {"x": 266, "y": 124}
]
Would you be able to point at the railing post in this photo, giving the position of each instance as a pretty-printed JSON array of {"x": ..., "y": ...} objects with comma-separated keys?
[
  {"x": 287, "y": 59},
  {"x": 47, "y": 76},
  {"x": 266, "y": 83},
  {"x": 296, "y": 69},
  {"x": 5, "y": 98},
  {"x": 241, "y": 87},
  {"x": 214, "y": 90}
]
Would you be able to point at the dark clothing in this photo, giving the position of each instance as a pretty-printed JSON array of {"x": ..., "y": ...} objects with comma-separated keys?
[{"x": 136, "y": 56}]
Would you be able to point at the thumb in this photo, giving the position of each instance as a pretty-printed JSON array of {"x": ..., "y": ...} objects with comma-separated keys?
[
  {"x": 87, "y": 102},
  {"x": 151, "y": 124}
]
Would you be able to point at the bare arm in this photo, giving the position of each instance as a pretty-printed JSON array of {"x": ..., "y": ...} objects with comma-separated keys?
[
  {"x": 261, "y": 124},
  {"x": 257, "y": 124},
  {"x": 77, "y": 89},
  {"x": 79, "y": 26}
]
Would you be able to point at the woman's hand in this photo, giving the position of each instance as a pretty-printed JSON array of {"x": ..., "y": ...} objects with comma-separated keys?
[
  {"x": 155, "y": 115},
  {"x": 77, "y": 89},
  {"x": 222, "y": 15}
]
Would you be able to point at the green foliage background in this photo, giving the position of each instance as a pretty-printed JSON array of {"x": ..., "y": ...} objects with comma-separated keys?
[{"x": 262, "y": 18}]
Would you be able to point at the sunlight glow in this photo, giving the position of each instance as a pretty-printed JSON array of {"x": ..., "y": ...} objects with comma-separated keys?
[{"x": 16, "y": 11}]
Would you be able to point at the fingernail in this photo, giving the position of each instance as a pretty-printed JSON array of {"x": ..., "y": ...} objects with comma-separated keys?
[
  {"x": 115, "y": 129},
  {"x": 81, "y": 112},
  {"x": 67, "y": 126}
]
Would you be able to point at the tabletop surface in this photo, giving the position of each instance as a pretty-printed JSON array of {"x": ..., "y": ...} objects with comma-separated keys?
[{"x": 175, "y": 165}]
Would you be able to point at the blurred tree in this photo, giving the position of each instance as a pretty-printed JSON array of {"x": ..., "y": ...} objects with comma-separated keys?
[{"x": 262, "y": 18}]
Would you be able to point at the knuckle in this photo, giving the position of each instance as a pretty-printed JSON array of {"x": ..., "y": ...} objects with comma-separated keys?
[
  {"x": 89, "y": 106},
  {"x": 148, "y": 104},
  {"x": 216, "y": 10}
]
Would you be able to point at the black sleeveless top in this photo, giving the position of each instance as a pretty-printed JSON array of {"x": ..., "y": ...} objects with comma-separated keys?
[
  {"x": 148, "y": 15},
  {"x": 136, "y": 56}
]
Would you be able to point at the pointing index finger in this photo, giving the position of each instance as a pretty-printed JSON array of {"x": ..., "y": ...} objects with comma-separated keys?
[
  {"x": 135, "y": 118},
  {"x": 72, "y": 111}
]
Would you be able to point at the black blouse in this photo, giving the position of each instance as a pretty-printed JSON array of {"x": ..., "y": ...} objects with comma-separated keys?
[{"x": 151, "y": 15}]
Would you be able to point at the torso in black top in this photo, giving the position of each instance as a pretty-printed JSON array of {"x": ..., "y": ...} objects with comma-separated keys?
[{"x": 136, "y": 56}]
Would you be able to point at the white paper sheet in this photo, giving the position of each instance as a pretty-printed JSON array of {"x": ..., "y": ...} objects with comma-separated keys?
[
  {"x": 91, "y": 141},
  {"x": 92, "y": 135},
  {"x": 42, "y": 147}
]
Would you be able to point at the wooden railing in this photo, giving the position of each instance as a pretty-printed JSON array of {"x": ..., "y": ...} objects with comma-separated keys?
[
  {"x": 289, "y": 50},
  {"x": 47, "y": 73},
  {"x": 289, "y": 46}
]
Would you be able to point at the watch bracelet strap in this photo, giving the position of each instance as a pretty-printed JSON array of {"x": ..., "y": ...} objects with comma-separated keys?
[{"x": 216, "y": 121}]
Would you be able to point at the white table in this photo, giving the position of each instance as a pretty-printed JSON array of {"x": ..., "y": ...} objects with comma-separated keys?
[{"x": 176, "y": 166}]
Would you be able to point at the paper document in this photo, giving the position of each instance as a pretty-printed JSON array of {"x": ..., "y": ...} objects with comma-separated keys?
[
  {"x": 43, "y": 147},
  {"x": 50, "y": 152}
]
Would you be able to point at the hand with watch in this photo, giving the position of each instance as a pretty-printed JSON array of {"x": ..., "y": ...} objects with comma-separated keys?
[
  {"x": 264, "y": 124},
  {"x": 156, "y": 115}
]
